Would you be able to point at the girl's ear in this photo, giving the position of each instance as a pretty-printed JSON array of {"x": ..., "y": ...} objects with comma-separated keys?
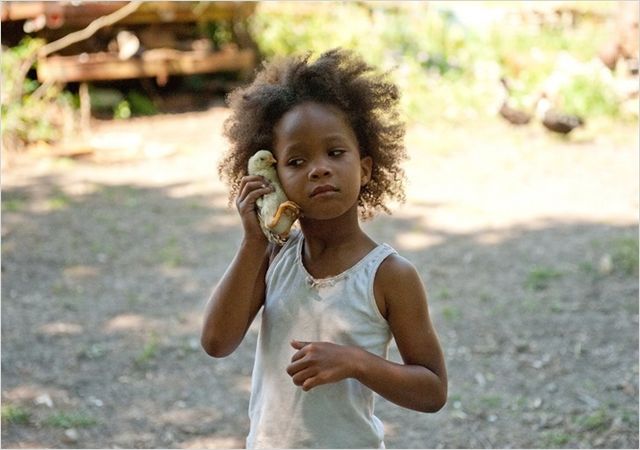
[{"x": 366, "y": 166}]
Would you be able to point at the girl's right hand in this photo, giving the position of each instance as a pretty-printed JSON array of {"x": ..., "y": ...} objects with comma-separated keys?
[{"x": 252, "y": 187}]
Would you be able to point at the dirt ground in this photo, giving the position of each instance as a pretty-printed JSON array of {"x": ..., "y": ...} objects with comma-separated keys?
[{"x": 528, "y": 245}]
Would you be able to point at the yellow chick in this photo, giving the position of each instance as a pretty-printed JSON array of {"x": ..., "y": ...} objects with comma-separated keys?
[{"x": 276, "y": 214}]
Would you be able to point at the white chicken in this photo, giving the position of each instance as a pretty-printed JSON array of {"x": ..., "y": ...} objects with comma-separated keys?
[{"x": 276, "y": 213}]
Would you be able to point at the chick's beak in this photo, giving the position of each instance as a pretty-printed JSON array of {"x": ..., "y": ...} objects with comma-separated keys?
[{"x": 272, "y": 160}]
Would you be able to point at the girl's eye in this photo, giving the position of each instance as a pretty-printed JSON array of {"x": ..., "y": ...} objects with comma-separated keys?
[
  {"x": 294, "y": 162},
  {"x": 337, "y": 152}
]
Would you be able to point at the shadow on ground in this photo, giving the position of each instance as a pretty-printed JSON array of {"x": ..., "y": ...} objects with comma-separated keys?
[{"x": 103, "y": 293}]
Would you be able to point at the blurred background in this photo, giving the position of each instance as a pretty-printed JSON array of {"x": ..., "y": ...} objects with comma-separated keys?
[{"x": 521, "y": 214}]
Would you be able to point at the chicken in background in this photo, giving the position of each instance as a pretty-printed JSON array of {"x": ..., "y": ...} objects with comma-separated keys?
[
  {"x": 509, "y": 112},
  {"x": 554, "y": 120}
]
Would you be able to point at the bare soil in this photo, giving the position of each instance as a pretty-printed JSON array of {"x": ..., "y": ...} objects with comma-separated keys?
[{"x": 527, "y": 243}]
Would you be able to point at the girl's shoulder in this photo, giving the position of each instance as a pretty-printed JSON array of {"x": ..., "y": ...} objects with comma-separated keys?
[
  {"x": 397, "y": 273},
  {"x": 397, "y": 281},
  {"x": 396, "y": 267}
]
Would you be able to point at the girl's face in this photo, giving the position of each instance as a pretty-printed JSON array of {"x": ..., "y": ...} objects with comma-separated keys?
[{"x": 319, "y": 161}]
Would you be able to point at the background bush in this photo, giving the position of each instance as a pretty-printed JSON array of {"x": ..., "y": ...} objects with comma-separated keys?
[
  {"x": 447, "y": 61},
  {"x": 446, "y": 68},
  {"x": 32, "y": 111}
]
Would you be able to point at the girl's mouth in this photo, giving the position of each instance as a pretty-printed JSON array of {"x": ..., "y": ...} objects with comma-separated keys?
[{"x": 324, "y": 189}]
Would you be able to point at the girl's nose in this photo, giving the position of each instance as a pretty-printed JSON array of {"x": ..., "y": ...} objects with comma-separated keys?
[{"x": 319, "y": 171}]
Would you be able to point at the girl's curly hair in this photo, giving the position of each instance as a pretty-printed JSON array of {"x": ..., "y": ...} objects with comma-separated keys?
[{"x": 338, "y": 77}]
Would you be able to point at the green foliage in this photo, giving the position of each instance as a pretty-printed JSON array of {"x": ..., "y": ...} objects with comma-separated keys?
[
  {"x": 58, "y": 200},
  {"x": 103, "y": 99},
  {"x": 219, "y": 33},
  {"x": 540, "y": 277},
  {"x": 444, "y": 294},
  {"x": 14, "y": 414},
  {"x": 171, "y": 254},
  {"x": 16, "y": 62},
  {"x": 451, "y": 313},
  {"x": 13, "y": 203},
  {"x": 447, "y": 68},
  {"x": 70, "y": 420},
  {"x": 589, "y": 95},
  {"x": 286, "y": 30},
  {"x": 135, "y": 104},
  {"x": 122, "y": 110},
  {"x": 491, "y": 402},
  {"x": 420, "y": 50},
  {"x": 31, "y": 111},
  {"x": 625, "y": 255},
  {"x": 598, "y": 420},
  {"x": 148, "y": 353},
  {"x": 141, "y": 105},
  {"x": 555, "y": 439},
  {"x": 444, "y": 68}
]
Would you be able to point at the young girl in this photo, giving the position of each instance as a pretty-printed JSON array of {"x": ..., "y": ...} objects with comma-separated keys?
[{"x": 331, "y": 297}]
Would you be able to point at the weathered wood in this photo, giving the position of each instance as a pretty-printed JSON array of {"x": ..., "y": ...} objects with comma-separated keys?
[
  {"x": 21, "y": 10},
  {"x": 91, "y": 29},
  {"x": 153, "y": 63},
  {"x": 80, "y": 15}
]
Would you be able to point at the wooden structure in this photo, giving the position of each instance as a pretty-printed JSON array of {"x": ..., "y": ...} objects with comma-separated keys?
[
  {"x": 159, "y": 64},
  {"x": 76, "y": 14},
  {"x": 160, "y": 55},
  {"x": 158, "y": 40}
]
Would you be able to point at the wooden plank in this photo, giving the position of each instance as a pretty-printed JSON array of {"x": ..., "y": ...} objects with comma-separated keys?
[
  {"x": 21, "y": 10},
  {"x": 153, "y": 63},
  {"x": 159, "y": 12},
  {"x": 80, "y": 15}
]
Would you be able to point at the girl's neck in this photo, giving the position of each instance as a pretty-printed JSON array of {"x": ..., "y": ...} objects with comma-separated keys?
[{"x": 321, "y": 235}]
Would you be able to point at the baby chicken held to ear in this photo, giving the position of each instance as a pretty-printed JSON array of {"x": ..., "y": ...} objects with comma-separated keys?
[{"x": 276, "y": 214}]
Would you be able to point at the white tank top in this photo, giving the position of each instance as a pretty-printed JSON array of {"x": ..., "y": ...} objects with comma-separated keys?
[{"x": 339, "y": 309}]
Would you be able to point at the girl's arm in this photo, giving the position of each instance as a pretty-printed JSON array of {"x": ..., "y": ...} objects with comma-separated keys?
[
  {"x": 235, "y": 301},
  {"x": 239, "y": 295},
  {"x": 420, "y": 383}
]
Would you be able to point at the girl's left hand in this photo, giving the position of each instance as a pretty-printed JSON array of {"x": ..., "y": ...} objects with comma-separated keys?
[{"x": 317, "y": 363}]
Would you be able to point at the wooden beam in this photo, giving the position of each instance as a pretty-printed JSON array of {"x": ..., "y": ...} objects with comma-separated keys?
[
  {"x": 21, "y": 10},
  {"x": 153, "y": 63},
  {"x": 82, "y": 14}
]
